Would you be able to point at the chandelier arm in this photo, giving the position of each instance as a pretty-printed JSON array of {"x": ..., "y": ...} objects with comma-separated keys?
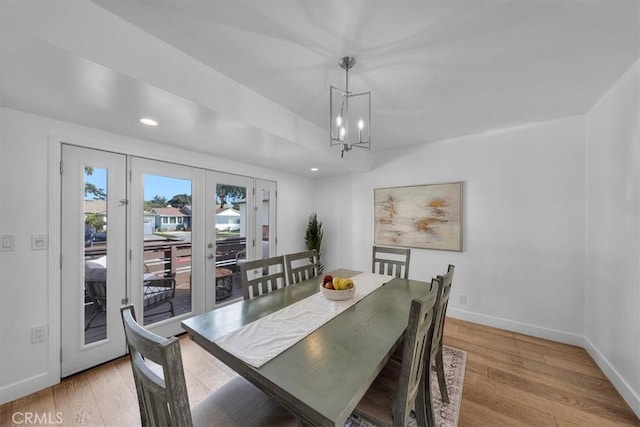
[
  {"x": 361, "y": 145},
  {"x": 346, "y": 105}
]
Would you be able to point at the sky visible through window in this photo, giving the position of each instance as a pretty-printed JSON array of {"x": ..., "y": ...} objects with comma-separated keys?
[
  {"x": 154, "y": 185},
  {"x": 163, "y": 186}
]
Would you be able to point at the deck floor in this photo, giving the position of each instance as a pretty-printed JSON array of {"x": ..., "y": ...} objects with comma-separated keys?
[{"x": 181, "y": 305}]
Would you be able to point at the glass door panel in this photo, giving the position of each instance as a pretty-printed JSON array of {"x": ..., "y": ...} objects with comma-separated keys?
[
  {"x": 230, "y": 210},
  {"x": 265, "y": 217},
  {"x": 166, "y": 234},
  {"x": 95, "y": 254},
  {"x": 166, "y": 250}
]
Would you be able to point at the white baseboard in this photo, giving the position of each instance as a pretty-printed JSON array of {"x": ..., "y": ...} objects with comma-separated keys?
[
  {"x": 623, "y": 387},
  {"x": 22, "y": 388},
  {"x": 522, "y": 328}
]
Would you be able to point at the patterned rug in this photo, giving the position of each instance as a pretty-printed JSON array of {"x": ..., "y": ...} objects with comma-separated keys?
[{"x": 446, "y": 415}]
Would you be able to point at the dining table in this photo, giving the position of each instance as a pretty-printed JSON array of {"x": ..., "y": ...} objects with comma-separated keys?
[{"x": 322, "y": 377}]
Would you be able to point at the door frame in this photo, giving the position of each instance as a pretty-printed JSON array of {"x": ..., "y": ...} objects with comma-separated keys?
[{"x": 55, "y": 256}]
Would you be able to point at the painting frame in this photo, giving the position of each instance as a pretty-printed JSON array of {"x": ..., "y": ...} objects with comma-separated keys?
[{"x": 427, "y": 216}]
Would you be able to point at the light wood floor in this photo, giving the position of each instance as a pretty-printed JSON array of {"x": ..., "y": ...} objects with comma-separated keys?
[{"x": 510, "y": 380}]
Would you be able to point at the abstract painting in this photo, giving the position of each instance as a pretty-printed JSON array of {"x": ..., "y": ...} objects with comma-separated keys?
[{"x": 420, "y": 216}]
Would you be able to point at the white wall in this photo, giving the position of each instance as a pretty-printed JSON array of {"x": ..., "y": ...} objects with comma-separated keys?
[
  {"x": 522, "y": 267},
  {"x": 28, "y": 294},
  {"x": 612, "y": 291}
]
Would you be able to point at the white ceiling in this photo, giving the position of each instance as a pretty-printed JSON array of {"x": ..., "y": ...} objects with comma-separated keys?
[{"x": 436, "y": 69}]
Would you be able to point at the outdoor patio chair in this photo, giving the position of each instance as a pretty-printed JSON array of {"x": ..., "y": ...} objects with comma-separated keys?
[
  {"x": 96, "y": 291},
  {"x": 159, "y": 291}
]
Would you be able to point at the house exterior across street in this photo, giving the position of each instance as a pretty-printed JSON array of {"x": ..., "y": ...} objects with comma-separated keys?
[{"x": 170, "y": 218}]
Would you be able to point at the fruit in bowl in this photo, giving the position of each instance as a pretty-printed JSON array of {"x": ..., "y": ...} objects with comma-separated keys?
[
  {"x": 337, "y": 288},
  {"x": 327, "y": 281}
]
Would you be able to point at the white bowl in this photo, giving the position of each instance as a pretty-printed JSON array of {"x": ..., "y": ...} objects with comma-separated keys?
[{"x": 338, "y": 295}]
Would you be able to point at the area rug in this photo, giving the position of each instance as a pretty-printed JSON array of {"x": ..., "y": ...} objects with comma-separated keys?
[{"x": 446, "y": 415}]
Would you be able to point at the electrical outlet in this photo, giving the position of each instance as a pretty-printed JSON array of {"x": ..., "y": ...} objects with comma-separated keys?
[
  {"x": 39, "y": 333},
  {"x": 39, "y": 242},
  {"x": 462, "y": 299},
  {"x": 7, "y": 242}
]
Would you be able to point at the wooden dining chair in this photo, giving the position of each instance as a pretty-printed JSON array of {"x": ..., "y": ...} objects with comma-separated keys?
[
  {"x": 444, "y": 289},
  {"x": 391, "y": 261},
  {"x": 262, "y": 276},
  {"x": 391, "y": 397},
  {"x": 162, "y": 392},
  {"x": 302, "y": 266}
]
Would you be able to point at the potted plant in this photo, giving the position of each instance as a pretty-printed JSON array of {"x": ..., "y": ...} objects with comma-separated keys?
[{"x": 313, "y": 237}]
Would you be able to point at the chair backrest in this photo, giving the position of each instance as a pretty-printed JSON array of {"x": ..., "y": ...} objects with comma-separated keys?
[
  {"x": 159, "y": 290},
  {"x": 302, "y": 266},
  {"x": 444, "y": 289},
  {"x": 417, "y": 343},
  {"x": 391, "y": 261},
  {"x": 162, "y": 398},
  {"x": 262, "y": 276}
]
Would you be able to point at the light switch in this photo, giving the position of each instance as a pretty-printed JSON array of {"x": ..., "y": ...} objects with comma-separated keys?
[
  {"x": 39, "y": 242},
  {"x": 7, "y": 242}
]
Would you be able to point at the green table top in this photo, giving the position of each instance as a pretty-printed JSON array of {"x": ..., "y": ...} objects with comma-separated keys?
[{"x": 322, "y": 377}]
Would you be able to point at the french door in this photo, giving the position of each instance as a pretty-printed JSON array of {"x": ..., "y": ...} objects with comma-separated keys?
[
  {"x": 167, "y": 244},
  {"x": 164, "y": 237},
  {"x": 93, "y": 229},
  {"x": 230, "y": 222}
]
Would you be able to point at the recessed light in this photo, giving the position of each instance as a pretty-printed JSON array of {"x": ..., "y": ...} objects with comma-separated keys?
[
  {"x": 314, "y": 169},
  {"x": 148, "y": 122}
]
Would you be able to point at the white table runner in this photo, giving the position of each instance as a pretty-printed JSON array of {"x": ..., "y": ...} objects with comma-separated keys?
[{"x": 262, "y": 340}]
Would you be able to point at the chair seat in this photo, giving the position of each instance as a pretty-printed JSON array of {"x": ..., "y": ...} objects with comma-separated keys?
[
  {"x": 376, "y": 404},
  {"x": 240, "y": 403}
]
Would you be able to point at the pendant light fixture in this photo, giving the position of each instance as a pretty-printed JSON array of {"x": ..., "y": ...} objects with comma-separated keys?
[{"x": 350, "y": 114}]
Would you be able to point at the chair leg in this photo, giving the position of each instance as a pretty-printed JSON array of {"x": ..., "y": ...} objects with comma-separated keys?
[
  {"x": 93, "y": 316},
  {"x": 424, "y": 406},
  {"x": 442, "y": 382}
]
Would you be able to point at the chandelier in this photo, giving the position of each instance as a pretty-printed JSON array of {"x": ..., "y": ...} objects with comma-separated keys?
[{"x": 350, "y": 114}]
